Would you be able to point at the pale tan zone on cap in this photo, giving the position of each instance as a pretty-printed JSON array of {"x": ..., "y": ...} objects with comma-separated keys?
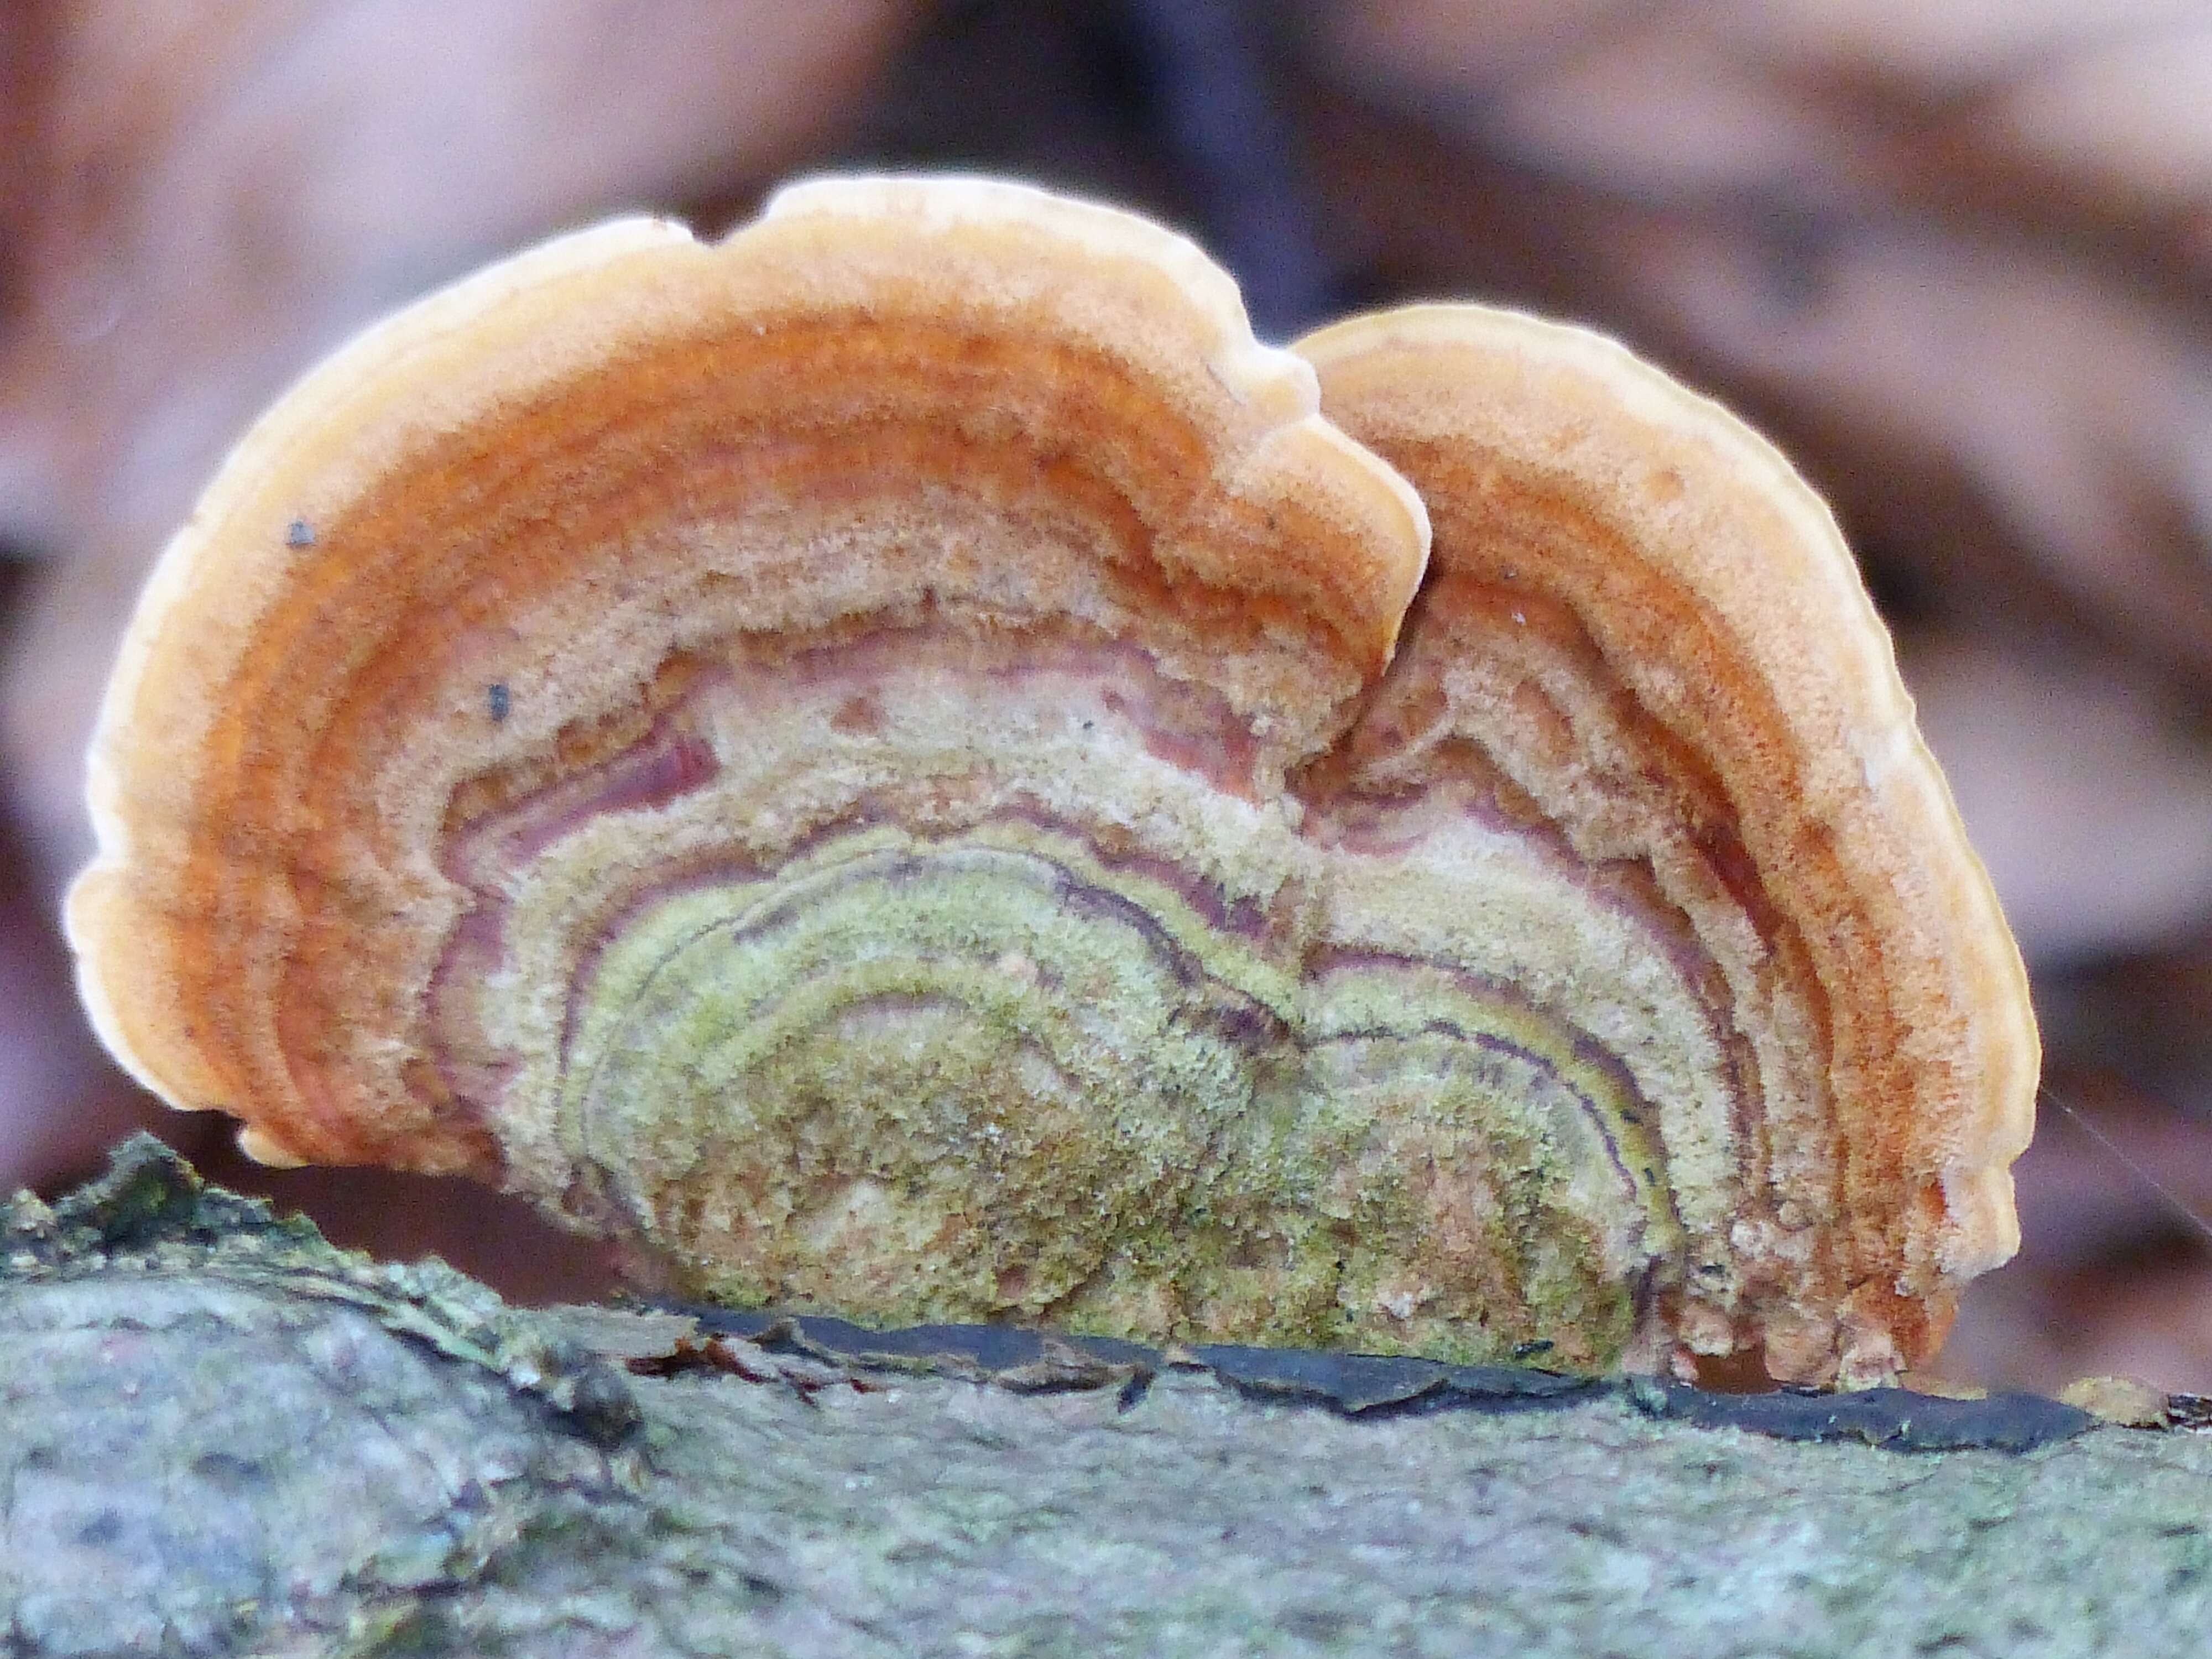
[{"x": 1692, "y": 582}]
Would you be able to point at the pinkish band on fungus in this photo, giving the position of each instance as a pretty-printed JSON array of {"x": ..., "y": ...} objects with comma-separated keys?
[{"x": 906, "y": 762}]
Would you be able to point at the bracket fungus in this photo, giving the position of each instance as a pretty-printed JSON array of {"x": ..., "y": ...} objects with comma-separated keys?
[{"x": 905, "y": 762}]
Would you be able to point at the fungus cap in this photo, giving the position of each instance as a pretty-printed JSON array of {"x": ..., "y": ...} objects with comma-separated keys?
[
  {"x": 867, "y": 756},
  {"x": 1642, "y": 629}
]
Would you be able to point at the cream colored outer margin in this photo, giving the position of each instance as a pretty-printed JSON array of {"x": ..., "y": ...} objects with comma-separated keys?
[
  {"x": 1278, "y": 385},
  {"x": 321, "y": 405},
  {"x": 1819, "y": 604},
  {"x": 439, "y": 364}
]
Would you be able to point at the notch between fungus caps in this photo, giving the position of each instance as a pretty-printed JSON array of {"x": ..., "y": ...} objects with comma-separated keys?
[
  {"x": 1711, "y": 508},
  {"x": 544, "y": 326}
]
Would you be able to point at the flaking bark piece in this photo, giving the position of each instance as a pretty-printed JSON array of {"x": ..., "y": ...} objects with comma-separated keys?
[
  {"x": 1356, "y": 1384},
  {"x": 867, "y": 758},
  {"x": 1898, "y": 1419},
  {"x": 1029, "y": 1360}
]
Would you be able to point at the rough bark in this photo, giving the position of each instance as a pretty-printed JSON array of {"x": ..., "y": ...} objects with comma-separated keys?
[{"x": 222, "y": 1436}]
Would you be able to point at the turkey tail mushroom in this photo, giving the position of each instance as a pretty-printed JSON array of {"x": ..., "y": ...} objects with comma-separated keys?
[{"x": 867, "y": 758}]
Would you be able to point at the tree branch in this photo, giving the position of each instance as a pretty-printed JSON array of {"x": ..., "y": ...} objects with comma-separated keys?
[{"x": 221, "y": 1436}]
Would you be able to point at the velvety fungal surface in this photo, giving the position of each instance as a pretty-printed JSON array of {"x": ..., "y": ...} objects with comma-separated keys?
[
  {"x": 1643, "y": 657},
  {"x": 906, "y": 762}
]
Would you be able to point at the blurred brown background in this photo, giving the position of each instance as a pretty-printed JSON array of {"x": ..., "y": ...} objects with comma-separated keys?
[{"x": 1956, "y": 255}]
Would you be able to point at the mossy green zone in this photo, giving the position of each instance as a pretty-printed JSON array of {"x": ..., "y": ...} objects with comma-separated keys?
[{"x": 991, "y": 1075}]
